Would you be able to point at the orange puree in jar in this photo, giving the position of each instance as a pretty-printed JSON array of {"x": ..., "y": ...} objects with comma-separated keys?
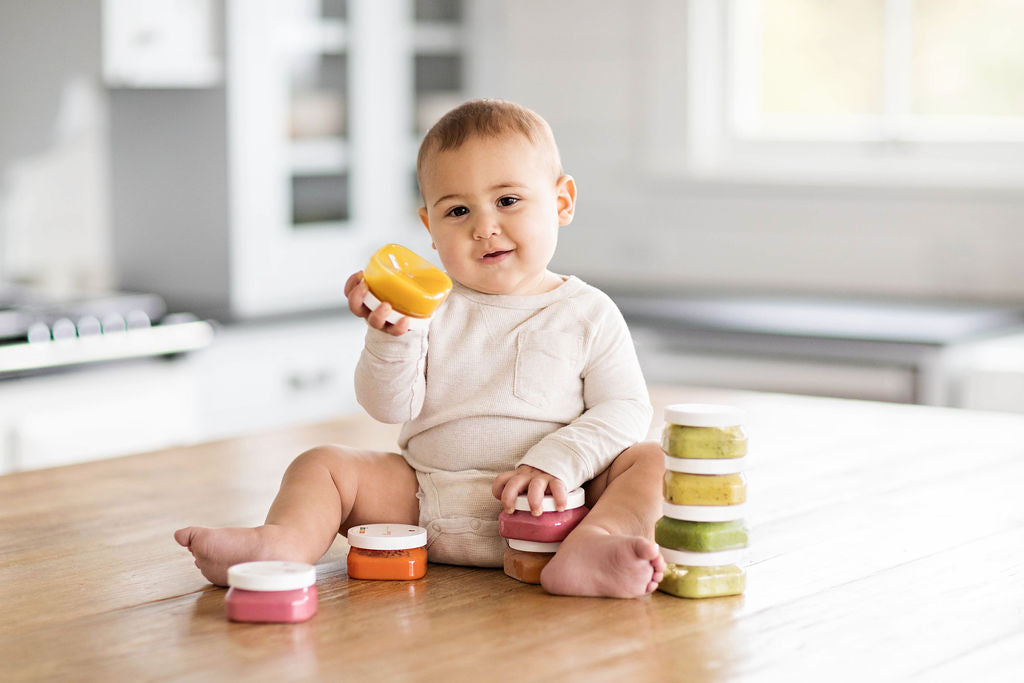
[
  {"x": 524, "y": 566},
  {"x": 412, "y": 285},
  {"x": 387, "y": 565},
  {"x": 387, "y": 552}
]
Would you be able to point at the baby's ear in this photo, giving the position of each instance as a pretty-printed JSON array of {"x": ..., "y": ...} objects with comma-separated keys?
[
  {"x": 566, "y": 189},
  {"x": 424, "y": 218}
]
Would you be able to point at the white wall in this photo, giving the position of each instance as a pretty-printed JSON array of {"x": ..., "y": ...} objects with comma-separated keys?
[
  {"x": 583, "y": 65},
  {"x": 54, "y": 223}
]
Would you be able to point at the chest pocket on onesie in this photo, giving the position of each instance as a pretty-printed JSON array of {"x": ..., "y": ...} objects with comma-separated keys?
[{"x": 547, "y": 366}]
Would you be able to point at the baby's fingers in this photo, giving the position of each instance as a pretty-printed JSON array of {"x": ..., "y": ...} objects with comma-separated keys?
[
  {"x": 499, "y": 483},
  {"x": 378, "y": 318},
  {"x": 356, "y": 294},
  {"x": 353, "y": 280},
  {"x": 558, "y": 493},
  {"x": 535, "y": 495},
  {"x": 513, "y": 487}
]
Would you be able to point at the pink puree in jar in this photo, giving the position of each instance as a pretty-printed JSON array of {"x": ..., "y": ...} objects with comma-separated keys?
[
  {"x": 279, "y": 592},
  {"x": 550, "y": 526}
]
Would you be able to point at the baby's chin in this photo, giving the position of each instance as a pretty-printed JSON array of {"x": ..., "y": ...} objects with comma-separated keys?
[{"x": 532, "y": 286}]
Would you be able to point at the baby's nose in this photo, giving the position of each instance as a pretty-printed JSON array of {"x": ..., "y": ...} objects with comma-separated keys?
[{"x": 485, "y": 228}]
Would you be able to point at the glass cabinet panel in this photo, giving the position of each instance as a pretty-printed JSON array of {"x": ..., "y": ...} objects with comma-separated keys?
[{"x": 318, "y": 83}]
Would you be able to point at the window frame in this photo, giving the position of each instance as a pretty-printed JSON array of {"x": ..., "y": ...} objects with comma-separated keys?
[{"x": 715, "y": 143}]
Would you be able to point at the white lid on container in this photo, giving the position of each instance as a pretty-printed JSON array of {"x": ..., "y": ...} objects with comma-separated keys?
[
  {"x": 271, "y": 576},
  {"x": 573, "y": 499},
  {"x": 387, "y": 536},
  {"x": 703, "y": 513},
  {"x": 532, "y": 546},
  {"x": 372, "y": 302},
  {"x": 705, "y": 465},
  {"x": 689, "y": 558},
  {"x": 703, "y": 415}
]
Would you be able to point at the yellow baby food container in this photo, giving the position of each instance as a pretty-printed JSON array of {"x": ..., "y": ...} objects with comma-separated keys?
[{"x": 412, "y": 285}]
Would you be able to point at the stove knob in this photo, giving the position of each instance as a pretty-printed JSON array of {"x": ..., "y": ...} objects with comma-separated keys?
[
  {"x": 136, "y": 320},
  {"x": 113, "y": 323},
  {"x": 38, "y": 332},
  {"x": 89, "y": 326},
  {"x": 64, "y": 329}
]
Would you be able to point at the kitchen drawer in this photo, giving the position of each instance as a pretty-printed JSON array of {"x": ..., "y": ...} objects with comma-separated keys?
[
  {"x": 97, "y": 413},
  {"x": 262, "y": 376}
]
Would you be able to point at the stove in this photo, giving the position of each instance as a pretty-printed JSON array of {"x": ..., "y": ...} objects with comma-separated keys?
[{"x": 40, "y": 333}]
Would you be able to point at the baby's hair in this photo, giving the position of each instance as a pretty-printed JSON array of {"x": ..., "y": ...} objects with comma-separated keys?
[{"x": 489, "y": 118}]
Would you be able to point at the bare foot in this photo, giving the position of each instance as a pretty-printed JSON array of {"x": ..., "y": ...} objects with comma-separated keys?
[
  {"x": 217, "y": 549},
  {"x": 601, "y": 565}
]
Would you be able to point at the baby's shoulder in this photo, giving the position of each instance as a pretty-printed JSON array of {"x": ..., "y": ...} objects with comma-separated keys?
[{"x": 587, "y": 297}]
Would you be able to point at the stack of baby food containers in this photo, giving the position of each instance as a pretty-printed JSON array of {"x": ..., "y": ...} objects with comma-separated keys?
[
  {"x": 702, "y": 533},
  {"x": 533, "y": 541},
  {"x": 407, "y": 281},
  {"x": 388, "y": 552}
]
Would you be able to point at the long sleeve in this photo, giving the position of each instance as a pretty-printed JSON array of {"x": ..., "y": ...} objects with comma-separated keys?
[
  {"x": 390, "y": 377},
  {"x": 617, "y": 409}
]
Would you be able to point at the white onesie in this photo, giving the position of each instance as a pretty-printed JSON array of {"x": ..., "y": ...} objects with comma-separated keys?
[{"x": 550, "y": 380}]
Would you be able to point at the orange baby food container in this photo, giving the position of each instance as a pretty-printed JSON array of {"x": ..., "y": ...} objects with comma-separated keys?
[
  {"x": 412, "y": 285},
  {"x": 389, "y": 552},
  {"x": 525, "y": 560}
]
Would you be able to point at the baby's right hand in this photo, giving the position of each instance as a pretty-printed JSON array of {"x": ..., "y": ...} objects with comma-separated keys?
[{"x": 356, "y": 290}]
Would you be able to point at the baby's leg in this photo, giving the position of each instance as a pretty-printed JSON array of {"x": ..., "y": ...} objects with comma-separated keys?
[
  {"x": 612, "y": 553},
  {"x": 324, "y": 491}
]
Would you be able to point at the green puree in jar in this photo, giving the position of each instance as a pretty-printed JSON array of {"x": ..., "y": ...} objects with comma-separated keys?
[
  {"x": 700, "y": 536},
  {"x": 703, "y": 582},
  {"x": 704, "y": 442}
]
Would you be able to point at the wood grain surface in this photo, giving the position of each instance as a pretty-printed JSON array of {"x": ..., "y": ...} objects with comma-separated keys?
[{"x": 887, "y": 544}]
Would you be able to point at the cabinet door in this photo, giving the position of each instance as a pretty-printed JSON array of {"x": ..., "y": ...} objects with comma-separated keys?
[
  {"x": 99, "y": 413},
  {"x": 318, "y": 94},
  {"x": 260, "y": 377}
]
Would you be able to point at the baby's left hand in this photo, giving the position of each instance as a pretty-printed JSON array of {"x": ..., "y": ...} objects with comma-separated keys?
[{"x": 508, "y": 485}]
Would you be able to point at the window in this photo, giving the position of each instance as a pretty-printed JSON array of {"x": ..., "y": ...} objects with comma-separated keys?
[{"x": 913, "y": 91}]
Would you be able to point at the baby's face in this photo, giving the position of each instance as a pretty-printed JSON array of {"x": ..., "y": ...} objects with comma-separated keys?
[{"x": 493, "y": 209}]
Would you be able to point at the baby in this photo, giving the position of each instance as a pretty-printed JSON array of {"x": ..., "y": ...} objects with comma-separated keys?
[{"x": 526, "y": 381}]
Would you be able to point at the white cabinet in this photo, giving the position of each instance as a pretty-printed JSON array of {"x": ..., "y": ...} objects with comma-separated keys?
[
  {"x": 260, "y": 196},
  {"x": 160, "y": 44},
  {"x": 262, "y": 376},
  {"x": 99, "y": 412},
  {"x": 254, "y": 377}
]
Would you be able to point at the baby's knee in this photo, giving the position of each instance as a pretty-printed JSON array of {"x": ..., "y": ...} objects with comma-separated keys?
[
  {"x": 647, "y": 455},
  {"x": 328, "y": 457}
]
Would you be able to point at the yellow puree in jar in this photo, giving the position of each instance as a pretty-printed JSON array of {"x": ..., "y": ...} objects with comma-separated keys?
[
  {"x": 704, "y": 442},
  {"x": 703, "y": 582},
  {"x": 705, "y": 489}
]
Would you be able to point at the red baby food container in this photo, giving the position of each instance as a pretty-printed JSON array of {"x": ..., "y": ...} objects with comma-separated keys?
[
  {"x": 551, "y": 526},
  {"x": 276, "y": 592}
]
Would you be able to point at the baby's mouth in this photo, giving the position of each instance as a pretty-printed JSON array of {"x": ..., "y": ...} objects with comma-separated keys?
[{"x": 496, "y": 255}]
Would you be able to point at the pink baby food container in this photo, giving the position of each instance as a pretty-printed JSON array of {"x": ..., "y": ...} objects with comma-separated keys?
[
  {"x": 551, "y": 526},
  {"x": 277, "y": 592}
]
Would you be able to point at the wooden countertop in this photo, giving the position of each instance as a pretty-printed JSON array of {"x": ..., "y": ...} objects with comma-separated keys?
[{"x": 887, "y": 543}]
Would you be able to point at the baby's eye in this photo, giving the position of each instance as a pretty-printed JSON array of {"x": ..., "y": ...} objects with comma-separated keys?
[
  {"x": 507, "y": 201},
  {"x": 457, "y": 211}
]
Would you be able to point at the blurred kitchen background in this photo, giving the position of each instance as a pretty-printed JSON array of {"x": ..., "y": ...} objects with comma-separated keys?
[{"x": 782, "y": 195}]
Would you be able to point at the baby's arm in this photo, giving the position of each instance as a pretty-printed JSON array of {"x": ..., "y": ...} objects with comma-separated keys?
[
  {"x": 390, "y": 378},
  {"x": 617, "y": 408},
  {"x": 508, "y": 485}
]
